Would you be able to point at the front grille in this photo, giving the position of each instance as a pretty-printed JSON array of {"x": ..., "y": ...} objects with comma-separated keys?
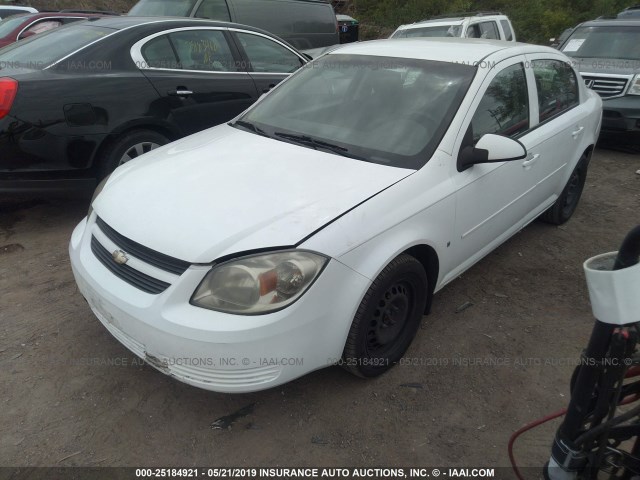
[
  {"x": 130, "y": 275},
  {"x": 157, "y": 259},
  {"x": 606, "y": 86}
]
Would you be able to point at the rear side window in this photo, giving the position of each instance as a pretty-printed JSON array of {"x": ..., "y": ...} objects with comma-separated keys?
[
  {"x": 41, "y": 27},
  {"x": 265, "y": 55},
  {"x": 214, "y": 10},
  {"x": 504, "y": 108},
  {"x": 158, "y": 53},
  {"x": 508, "y": 33},
  {"x": 205, "y": 50},
  {"x": 557, "y": 87}
]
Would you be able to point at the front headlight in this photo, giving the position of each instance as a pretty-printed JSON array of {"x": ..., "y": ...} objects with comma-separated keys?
[
  {"x": 634, "y": 88},
  {"x": 96, "y": 192},
  {"x": 259, "y": 284}
]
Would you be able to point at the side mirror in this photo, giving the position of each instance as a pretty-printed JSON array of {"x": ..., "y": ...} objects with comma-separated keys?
[{"x": 491, "y": 149}]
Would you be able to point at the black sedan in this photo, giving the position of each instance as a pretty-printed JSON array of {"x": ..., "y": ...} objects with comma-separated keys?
[{"x": 80, "y": 100}]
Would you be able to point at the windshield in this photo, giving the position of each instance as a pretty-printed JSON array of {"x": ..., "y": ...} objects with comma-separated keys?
[
  {"x": 392, "y": 111},
  {"x": 42, "y": 50},
  {"x": 435, "y": 31},
  {"x": 9, "y": 24},
  {"x": 622, "y": 42},
  {"x": 170, "y": 8}
]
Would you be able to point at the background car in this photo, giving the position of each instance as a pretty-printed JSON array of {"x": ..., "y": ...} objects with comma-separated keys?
[
  {"x": 489, "y": 25},
  {"x": 630, "y": 12},
  {"x": 22, "y": 26},
  {"x": 318, "y": 224},
  {"x": 303, "y": 23},
  {"x": 8, "y": 10},
  {"x": 348, "y": 28},
  {"x": 607, "y": 54},
  {"x": 78, "y": 101}
]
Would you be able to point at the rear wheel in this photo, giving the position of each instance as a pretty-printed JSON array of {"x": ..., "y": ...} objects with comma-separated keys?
[
  {"x": 387, "y": 319},
  {"x": 128, "y": 146},
  {"x": 566, "y": 204}
]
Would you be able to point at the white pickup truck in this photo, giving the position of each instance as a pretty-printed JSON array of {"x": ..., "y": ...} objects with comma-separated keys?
[{"x": 492, "y": 25}]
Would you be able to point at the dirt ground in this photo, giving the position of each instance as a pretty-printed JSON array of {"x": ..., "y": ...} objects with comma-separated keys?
[{"x": 526, "y": 305}]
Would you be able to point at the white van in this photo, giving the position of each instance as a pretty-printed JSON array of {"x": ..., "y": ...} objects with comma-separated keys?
[
  {"x": 492, "y": 25},
  {"x": 303, "y": 23}
]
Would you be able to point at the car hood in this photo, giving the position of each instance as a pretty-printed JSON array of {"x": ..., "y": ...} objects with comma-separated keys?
[
  {"x": 606, "y": 66},
  {"x": 224, "y": 191}
]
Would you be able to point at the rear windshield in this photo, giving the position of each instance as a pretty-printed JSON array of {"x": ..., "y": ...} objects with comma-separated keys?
[
  {"x": 171, "y": 8},
  {"x": 42, "y": 50},
  {"x": 8, "y": 25},
  {"x": 620, "y": 42},
  {"x": 435, "y": 31}
]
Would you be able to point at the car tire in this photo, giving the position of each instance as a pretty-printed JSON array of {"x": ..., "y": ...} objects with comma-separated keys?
[
  {"x": 126, "y": 147},
  {"x": 387, "y": 319},
  {"x": 566, "y": 204}
]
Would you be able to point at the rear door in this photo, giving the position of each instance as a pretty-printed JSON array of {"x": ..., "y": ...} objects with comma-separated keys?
[
  {"x": 198, "y": 74},
  {"x": 560, "y": 123},
  {"x": 268, "y": 60}
]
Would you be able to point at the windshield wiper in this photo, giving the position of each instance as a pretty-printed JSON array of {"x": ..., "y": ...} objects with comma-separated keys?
[
  {"x": 308, "y": 141},
  {"x": 249, "y": 126}
]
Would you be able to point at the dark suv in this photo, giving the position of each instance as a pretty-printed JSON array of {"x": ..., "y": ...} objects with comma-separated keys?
[{"x": 607, "y": 54}]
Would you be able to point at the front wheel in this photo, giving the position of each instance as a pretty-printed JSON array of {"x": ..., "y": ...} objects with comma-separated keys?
[
  {"x": 128, "y": 146},
  {"x": 566, "y": 204},
  {"x": 387, "y": 318}
]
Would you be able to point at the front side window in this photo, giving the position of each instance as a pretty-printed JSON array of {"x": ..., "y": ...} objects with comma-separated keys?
[
  {"x": 214, "y": 10},
  {"x": 265, "y": 55},
  {"x": 391, "y": 111},
  {"x": 557, "y": 87},
  {"x": 504, "y": 108}
]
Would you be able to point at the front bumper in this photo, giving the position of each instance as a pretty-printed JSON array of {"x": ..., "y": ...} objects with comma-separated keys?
[
  {"x": 214, "y": 350},
  {"x": 621, "y": 114}
]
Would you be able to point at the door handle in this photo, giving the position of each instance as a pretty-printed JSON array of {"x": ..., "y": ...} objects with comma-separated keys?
[
  {"x": 577, "y": 132},
  {"x": 268, "y": 89},
  {"x": 180, "y": 92},
  {"x": 531, "y": 159}
]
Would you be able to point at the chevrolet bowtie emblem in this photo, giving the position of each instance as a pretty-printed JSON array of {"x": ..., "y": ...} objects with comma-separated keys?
[{"x": 119, "y": 257}]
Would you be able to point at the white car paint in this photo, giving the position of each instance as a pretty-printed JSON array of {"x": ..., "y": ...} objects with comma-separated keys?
[
  {"x": 224, "y": 192},
  {"x": 464, "y": 24}
]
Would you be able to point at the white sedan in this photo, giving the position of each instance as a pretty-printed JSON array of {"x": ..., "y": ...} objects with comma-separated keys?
[{"x": 315, "y": 228}]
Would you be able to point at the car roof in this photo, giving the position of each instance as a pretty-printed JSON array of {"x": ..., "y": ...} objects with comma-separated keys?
[
  {"x": 128, "y": 21},
  {"x": 612, "y": 22},
  {"x": 31, "y": 16},
  {"x": 452, "y": 50}
]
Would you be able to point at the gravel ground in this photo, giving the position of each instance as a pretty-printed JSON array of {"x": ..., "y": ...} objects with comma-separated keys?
[{"x": 495, "y": 353}]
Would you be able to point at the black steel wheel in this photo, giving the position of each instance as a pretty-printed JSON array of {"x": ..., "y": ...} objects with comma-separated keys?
[
  {"x": 387, "y": 319},
  {"x": 567, "y": 202}
]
